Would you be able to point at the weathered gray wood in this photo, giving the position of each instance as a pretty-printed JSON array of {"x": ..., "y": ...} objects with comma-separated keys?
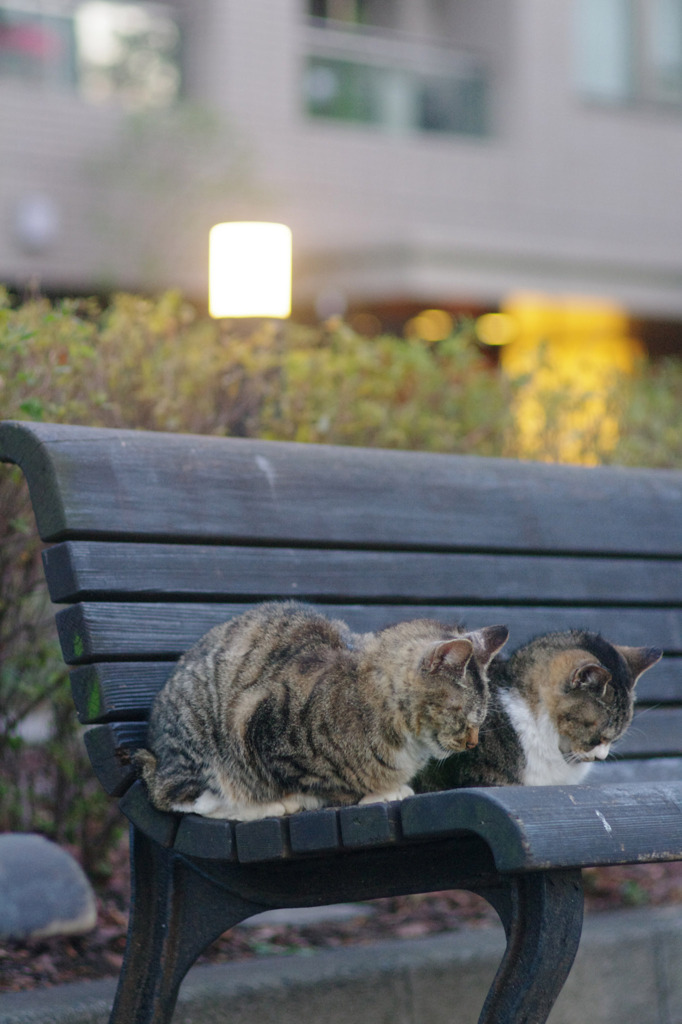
[
  {"x": 649, "y": 769},
  {"x": 88, "y": 482},
  {"x": 160, "y": 826},
  {"x": 208, "y": 838},
  {"x": 265, "y": 839},
  {"x": 317, "y": 832},
  {"x": 109, "y": 748},
  {"x": 654, "y": 732},
  {"x": 525, "y": 827},
  {"x": 662, "y": 686},
  {"x": 117, "y": 691},
  {"x": 369, "y": 825},
  {"x": 98, "y": 630},
  {"x": 537, "y": 827},
  {"x": 92, "y": 570}
]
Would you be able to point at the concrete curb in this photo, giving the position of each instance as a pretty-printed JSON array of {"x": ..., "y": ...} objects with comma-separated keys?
[{"x": 627, "y": 972}]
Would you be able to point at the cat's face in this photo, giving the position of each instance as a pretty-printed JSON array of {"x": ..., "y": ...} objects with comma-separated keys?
[
  {"x": 454, "y": 686},
  {"x": 589, "y": 694}
]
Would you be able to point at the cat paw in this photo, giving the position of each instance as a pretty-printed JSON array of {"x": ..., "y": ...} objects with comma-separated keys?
[
  {"x": 208, "y": 805},
  {"x": 301, "y": 802},
  {"x": 393, "y": 794},
  {"x": 253, "y": 812}
]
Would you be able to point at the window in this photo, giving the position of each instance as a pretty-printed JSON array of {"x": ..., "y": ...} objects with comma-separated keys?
[
  {"x": 106, "y": 50},
  {"x": 629, "y": 50},
  {"x": 449, "y": 104},
  {"x": 665, "y": 49},
  {"x": 129, "y": 51},
  {"x": 345, "y": 90},
  {"x": 36, "y": 48}
]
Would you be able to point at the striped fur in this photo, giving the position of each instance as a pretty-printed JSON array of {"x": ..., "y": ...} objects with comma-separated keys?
[{"x": 283, "y": 709}]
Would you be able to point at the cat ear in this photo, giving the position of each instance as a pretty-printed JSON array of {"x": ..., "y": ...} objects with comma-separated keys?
[
  {"x": 639, "y": 659},
  {"x": 487, "y": 642},
  {"x": 455, "y": 653},
  {"x": 591, "y": 677}
]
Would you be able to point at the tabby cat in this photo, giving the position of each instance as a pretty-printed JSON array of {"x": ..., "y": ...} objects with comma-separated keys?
[
  {"x": 283, "y": 709},
  {"x": 556, "y": 705}
]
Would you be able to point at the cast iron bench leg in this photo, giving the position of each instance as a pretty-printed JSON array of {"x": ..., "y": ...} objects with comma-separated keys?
[
  {"x": 175, "y": 913},
  {"x": 542, "y": 914}
]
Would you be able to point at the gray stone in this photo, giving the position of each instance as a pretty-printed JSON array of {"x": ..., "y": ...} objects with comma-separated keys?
[{"x": 43, "y": 890}]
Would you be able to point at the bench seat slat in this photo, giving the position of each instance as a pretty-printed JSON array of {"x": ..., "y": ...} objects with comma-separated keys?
[
  {"x": 526, "y": 827},
  {"x": 96, "y": 570},
  {"x": 94, "y": 631},
  {"x": 90, "y": 483},
  {"x": 539, "y": 827},
  {"x": 208, "y": 838}
]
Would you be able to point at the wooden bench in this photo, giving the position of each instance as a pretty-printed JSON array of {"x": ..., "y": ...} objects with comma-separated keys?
[{"x": 154, "y": 538}]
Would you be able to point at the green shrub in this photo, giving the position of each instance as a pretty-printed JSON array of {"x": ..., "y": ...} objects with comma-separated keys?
[{"x": 648, "y": 409}]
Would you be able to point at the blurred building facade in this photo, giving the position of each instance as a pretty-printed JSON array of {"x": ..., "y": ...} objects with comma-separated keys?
[{"x": 424, "y": 152}]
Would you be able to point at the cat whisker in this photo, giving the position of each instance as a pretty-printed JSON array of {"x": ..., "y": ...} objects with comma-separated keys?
[
  {"x": 574, "y": 758},
  {"x": 634, "y": 730},
  {"x": 645, "y": 710}
]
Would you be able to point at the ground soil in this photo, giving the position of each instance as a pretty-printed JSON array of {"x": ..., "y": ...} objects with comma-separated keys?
[{"x": 99, "y": 954}]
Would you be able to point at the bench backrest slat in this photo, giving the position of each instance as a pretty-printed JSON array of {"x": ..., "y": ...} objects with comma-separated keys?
[
  {"x": 117, "y": 691},
  {"x": 100, "y": 484},
  {"x": 105, "y": 631},
  {"x": 654, "y": 731},
  {"x": 92, "y": 569}
]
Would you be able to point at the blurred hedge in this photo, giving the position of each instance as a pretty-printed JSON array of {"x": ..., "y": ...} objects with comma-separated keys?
[{"x": 157, "y": 364}]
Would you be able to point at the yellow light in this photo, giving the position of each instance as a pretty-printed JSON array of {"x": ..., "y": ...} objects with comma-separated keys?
[
  {"x": 249, "y": 270},
  {"x": 496, "y": 328},
  {"x": 430, "y": 325},
  {"x": 567, "y": 353}
]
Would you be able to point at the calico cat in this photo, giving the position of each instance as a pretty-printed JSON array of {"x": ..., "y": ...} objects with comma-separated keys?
[
  {"x": 556, "y": 705},
  {"x": 283, "y": 709}
]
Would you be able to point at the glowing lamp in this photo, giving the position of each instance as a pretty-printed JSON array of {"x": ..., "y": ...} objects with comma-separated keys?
[
  {"x": 249, "y": 270},
  {"x": 497, "y": 329}
]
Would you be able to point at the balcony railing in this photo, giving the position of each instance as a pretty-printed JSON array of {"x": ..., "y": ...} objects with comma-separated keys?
[{"x": 393, "y": 82}]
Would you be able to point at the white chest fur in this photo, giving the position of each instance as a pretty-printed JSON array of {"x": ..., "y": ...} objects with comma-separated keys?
[{"x": 545, "y": 764}]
